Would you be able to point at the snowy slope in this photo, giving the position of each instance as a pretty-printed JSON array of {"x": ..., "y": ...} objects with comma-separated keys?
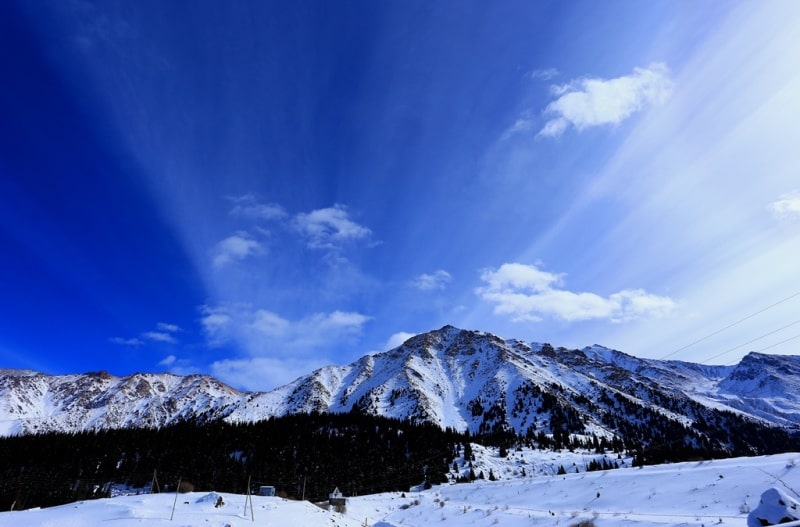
[
  {"x": 685, "y": 494},
  {"x": 33, "y": 402},
  {"x": 466, "y": 380},
  {"x": 473, "y": 380}
]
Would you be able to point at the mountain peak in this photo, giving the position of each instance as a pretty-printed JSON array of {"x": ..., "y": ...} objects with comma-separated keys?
[{"x": 457, "y": 378}]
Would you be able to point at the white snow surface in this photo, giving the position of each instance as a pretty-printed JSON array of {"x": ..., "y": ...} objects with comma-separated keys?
[{"x": 706, "y": 493}]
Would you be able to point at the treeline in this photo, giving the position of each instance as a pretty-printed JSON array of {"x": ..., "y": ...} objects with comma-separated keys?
[
  {"x": 308, "y": 455},
  {"x": 305, "y": 455}
]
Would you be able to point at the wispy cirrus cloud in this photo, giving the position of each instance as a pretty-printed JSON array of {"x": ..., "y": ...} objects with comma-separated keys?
[
  {"x": 527, "y": 293},
  {"x": 160, "y": 336},
  {"x": 325, "y": 228},
  {"x": 168, "y": 361},
  {"x": 436, "y": 280},
  {"x": 588, "y": 102},
  {"x": 164, "y": 332},
  {"x": 248, "y": 206},
  {"x": 234, "y": 248},
  {"x": 277, "y": 349},
  {"x": 788, "y": 206},
  {"x": 256, "y": 329},
  {"x": 545, "y": 74},
  {"x": 328, "y": 228},
  {"x": 263, "y": 373},
  {"x": 135, "y": 342}
]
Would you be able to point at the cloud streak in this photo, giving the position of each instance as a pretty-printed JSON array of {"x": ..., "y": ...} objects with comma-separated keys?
[
  {"x": 526, "y": 293},
  {"x": 328, "y": 228},
  {"x": 164, "y": 332},
  {"x": 159, "y": 336},
  {"x": 589, "y": 102},
  {"x": 277, "y": 349},
  {"x": 259, "y": 331},
  {"x": 429, "y": 282},
  {"x": 543, "y": 74},
  {"x": 248, "y": 206},
  {"x": 787, "y": 207},
  {"x": 134, "y": 342},
  {"x": 234, "y": 248},
  {"x": 260, "y": 373}
]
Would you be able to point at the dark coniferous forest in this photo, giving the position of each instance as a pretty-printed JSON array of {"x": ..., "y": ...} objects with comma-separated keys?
[
  {"x": 308, "y": 455},
  {"x": 301, "y": 455}
]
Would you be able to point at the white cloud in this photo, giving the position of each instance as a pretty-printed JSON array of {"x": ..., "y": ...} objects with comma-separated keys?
[
  {"x": 126, "y": 342},
  {"x": 278, "y": 349},
  {"x": 259, "y": 330},
  {"x": 235, "y": 247},
  {"x": 543, "y": 74},
  {"x": 788, "y": 206},
  {"x": 248, "y": 206},
  {"x": 169, "y": 328},
  {"x": 588, "y": 102},
  {"x": 397, "y": 339},
  {"x": 436, "y": 280},
  {"x": 216, "y": 324},
  {"x": 163, "y": 333},
  {"x": 334, "y": 322},
  {"x": 159, "y": 336},
  {"x": 519, "y": 276},
  {"x": 520, "y": 126},
  {"x": 527, "y": 293},
  {"x": 269, "y": 323},
  {"x": 263, "y": 373},
  {"x": 327, "y": 228},
  {"x": 168, "y": 361}
]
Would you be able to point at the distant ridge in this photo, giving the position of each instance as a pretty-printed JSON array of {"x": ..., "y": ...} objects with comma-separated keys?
[{"x": 461, "y": 379}]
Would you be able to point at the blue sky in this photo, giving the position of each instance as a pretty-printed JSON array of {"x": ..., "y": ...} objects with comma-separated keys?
[{"x": 256, "y": 189}]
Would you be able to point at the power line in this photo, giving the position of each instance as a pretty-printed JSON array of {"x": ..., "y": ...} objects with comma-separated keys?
[
  {"x": 779, "y": 343},
  {"x": 729, "y": 326},
  {"x": 753, "y": 340}
]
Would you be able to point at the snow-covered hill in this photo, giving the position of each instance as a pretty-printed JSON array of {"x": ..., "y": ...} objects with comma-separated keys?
[
  {"x": 34, "y": 402},
  {"x": 466, "y": 380},
  {"x": 719, "y": 492}
]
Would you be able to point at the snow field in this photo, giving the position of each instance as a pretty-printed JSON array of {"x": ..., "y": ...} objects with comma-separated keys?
[
  {"x": 684, "y": 494},
  {"x": 698, "y": 494}
]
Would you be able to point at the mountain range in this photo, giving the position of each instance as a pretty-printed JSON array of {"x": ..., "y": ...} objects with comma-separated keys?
[{"x": 465, "y": 380}]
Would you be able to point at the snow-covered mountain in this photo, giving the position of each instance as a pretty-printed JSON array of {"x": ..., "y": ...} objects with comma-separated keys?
[
  {"x": 466, "y": 380},
  {"x": 34, "y": 402}
]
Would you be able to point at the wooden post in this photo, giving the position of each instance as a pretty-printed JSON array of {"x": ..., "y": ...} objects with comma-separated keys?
[
  {"x": 177, "y": 490},
  {"x": 304, "y": 488},
  {"x": 154, "y": 484},
  {"x": 249, "y": 498}
]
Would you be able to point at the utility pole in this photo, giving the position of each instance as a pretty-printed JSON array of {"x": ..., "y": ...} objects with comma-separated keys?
[
  {"x": 154, "y": 484},
  {"x": 177, "y": 490},
  {"x": 249, "y": 499}
]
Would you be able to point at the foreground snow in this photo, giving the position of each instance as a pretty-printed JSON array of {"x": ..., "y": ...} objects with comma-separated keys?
[{"x": 685, "y": 494}]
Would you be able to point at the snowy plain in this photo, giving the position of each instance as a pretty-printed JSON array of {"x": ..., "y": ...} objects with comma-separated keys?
[{"x": 703, "y": 493}]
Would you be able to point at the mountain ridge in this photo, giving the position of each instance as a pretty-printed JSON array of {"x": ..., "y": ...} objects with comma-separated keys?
[{"x": 455, "y": 378}]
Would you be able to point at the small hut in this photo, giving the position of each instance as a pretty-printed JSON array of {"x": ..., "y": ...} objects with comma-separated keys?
[
  {"x": 336, "y": 498},
  {"x": 266, "y": 490}
]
